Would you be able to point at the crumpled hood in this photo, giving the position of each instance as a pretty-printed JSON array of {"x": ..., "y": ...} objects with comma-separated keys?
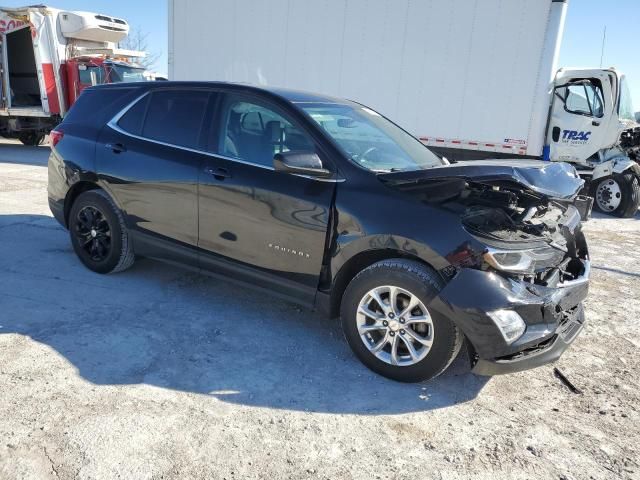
[{"x": 551, "y": 179}]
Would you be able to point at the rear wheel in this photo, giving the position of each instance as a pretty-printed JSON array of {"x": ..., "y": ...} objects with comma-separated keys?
[
  {"x": 388, "y": 326},
  {"x": 98, "y": 233},
  {"x": 32, "y": 139},
  {"x": 618, "y": 194}
]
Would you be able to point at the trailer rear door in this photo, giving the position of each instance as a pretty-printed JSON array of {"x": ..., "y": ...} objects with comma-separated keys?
[{"x": 22, "y": 76}]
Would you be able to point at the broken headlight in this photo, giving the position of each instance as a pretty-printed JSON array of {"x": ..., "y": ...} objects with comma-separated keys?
[{"x": 524, "y": 261}]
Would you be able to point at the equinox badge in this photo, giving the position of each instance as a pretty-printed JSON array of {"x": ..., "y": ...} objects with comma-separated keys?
[{"x": 292, "y": 251}]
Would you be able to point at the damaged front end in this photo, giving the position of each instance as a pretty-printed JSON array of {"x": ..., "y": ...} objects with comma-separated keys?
[
  {"x": 519, "y": 302},
  {"x": 528, "y": 236}
]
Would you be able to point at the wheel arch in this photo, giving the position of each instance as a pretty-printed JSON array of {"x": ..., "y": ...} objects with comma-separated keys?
[
  {"x": 355, "y": 265},
  {"x": 74, "y": 192}
]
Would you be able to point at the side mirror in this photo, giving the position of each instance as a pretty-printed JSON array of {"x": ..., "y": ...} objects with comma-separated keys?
[{"x": 301, "y": 163}]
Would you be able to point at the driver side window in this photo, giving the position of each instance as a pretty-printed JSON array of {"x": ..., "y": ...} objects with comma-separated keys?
[
  {"x": 583, "y": 99},
  {"x": 255, "y": 133}
]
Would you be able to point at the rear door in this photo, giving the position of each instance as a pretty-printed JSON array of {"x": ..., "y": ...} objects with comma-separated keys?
[
  {"x": 148, "y": 158},
  {"x": 22, "y": 73},
  {"x": 273, "y": 225}
]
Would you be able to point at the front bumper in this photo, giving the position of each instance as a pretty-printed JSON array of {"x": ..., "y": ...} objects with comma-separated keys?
[
  {"x": 545, "y": 352},
  {"x": 554, "y": 317}
]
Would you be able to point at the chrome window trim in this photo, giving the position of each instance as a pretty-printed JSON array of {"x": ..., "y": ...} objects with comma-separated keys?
[{"x": 113, "y": 124}]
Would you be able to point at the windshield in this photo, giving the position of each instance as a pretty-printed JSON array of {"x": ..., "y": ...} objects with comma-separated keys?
[
  {"x": 126, "y": 73},
  {"x": 370, "y": 140},
  {"x": 625, "y": 108}
]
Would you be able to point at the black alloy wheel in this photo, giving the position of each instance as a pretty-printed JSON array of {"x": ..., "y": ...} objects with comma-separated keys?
[
  {"x": 93, "y": 233},
  {"x": 99, "y": 234}
]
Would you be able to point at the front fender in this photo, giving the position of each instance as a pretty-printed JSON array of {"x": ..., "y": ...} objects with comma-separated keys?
[
  {"x": 615, "y": 165},
  {"x": 348, "y": 248},
  {"x": 371, "y": 223}
]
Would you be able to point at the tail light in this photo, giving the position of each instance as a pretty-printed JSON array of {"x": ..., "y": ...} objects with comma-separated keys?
[{"x": 55, "y": 136}]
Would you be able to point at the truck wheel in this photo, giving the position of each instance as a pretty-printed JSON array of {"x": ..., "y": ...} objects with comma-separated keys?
[
  {"x": 388, "y": 326},
  {"x": 98, "y": 233},
  {"x": 32, "y": 139},
  {"x": 618, "y": 194}
]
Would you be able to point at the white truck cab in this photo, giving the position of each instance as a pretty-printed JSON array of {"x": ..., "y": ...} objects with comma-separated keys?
[{"x": 592, "y": 125}]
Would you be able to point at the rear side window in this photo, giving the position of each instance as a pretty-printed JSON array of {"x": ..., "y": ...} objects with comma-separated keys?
[
  {"x": 175, "y": 117},
  {"x": 132, "y": 120},
  {"x": 97, "y": 106}
]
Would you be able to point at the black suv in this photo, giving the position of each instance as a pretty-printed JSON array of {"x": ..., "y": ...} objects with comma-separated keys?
[{"x": 327, "y": 203}]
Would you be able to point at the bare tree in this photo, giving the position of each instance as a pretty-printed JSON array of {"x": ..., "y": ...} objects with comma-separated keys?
[{"x": 137, "y": 40}]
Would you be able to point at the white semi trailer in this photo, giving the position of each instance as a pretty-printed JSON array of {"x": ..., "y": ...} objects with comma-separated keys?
[{"x": 470, "y": 78}]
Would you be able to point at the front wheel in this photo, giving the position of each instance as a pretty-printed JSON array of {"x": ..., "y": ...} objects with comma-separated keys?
[
  {"x": 388, "y": 326},
  {"x": 618, "y": 194}
]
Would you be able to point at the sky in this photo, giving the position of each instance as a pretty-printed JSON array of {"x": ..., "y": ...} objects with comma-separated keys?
[
  {"x": 582, "y": 42},
  {"x": 581, "y": 45}
]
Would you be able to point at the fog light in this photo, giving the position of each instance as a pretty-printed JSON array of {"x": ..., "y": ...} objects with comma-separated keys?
[{"x": 510, "y": 324}]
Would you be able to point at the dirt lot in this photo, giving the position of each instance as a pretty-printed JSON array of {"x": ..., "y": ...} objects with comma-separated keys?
[{"x": 161, "y": 373}]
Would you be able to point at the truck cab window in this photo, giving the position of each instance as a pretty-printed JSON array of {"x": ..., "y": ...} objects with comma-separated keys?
[
  {"x": 88, "y": 72},
  {"x": 125, "y": 73},
  {"x": 625, "y": 105},
  {"x": 583, "y": 99}
]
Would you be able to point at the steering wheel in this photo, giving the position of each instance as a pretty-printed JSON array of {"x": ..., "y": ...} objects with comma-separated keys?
[{"x": 368, "y": 151}]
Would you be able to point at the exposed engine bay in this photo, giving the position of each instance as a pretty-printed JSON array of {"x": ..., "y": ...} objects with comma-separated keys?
[
  {"x": 515, "y": 217},
  {"x": 509, "y": 219},
  {"x": 507, "y": 216}
]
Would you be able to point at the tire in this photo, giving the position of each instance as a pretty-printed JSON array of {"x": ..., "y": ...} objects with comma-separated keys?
[
  {"x": 408, "y": 278},
  {"x": 32, "y": 139},
  {"x": 98, "y": 233},
  {"x": 617, "y": 195}
]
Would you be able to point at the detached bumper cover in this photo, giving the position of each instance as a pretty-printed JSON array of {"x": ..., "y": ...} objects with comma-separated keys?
[{"x": 554, "y": 318}]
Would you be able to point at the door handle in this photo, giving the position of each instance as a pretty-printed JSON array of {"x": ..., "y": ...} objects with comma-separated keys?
[
  {"x": 217, "y": 173},
  {"x": 595, "y": 123},
  {"x": 116, "y": 147}
]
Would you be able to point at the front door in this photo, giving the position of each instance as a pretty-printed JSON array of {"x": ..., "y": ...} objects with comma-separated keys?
[
  {"x": 149, "y": 161},
  {"x": 580, "y": 116},
  {"x": 274, "y": 223}
]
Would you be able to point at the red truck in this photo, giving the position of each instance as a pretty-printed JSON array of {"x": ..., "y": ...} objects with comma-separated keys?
[{"x": 48, "y": 56}]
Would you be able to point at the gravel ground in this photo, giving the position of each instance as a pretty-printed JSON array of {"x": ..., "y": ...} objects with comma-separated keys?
[{"x": 161, "y": 373}]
